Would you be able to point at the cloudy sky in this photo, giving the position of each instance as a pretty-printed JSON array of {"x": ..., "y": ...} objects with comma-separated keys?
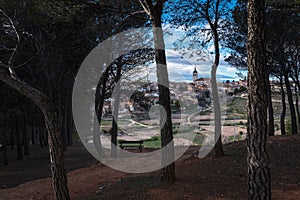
[{"x": 181, "y": 68}]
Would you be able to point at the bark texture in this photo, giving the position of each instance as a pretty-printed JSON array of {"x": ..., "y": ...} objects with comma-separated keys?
[
  {"x": 217, "y": 113},
  {"x": 117, "y": 90},
  {"x": 214, "y": 86},
  {"x": 154, "y": 10},
  {"x": 297, "y": 107},
  {"x": 259, "y": 183},
  {"x": 291, "y": 103},
  {"x": 167, "y": 172},
  {"x": 271, "y": 126},
  {"x": 99, "y": 104},
  {"x": 282, "y": 116}
]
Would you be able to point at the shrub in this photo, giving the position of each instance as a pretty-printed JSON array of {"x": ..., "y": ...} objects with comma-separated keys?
[{"x": 288, "y": 127}]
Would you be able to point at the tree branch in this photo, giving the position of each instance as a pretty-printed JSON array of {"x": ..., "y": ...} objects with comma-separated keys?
[
  {"x": 24, "y": 88},
  {"x": 146, "y": 7},
  {"x": 12, "y": 56},
  {"x": 6, "y": 48}
]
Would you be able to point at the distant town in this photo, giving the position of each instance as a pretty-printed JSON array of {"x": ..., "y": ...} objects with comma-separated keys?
[{"x": 196, "y": 92}]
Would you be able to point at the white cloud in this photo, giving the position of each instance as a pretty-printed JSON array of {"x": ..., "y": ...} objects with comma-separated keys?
[
  {"x": 180, "y": 68},
  {"x": 231, "y": 69}
]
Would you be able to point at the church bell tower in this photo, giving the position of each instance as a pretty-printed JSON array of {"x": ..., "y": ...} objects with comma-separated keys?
[{"x": 195, "y": 74}]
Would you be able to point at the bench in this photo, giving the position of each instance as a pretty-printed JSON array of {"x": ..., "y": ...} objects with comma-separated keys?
[{"x": 131, "y": 143}]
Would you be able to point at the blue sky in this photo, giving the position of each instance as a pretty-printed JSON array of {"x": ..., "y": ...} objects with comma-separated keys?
[
  {"x": 181, "y": 70},
  {"x": 181, "y": 67}
]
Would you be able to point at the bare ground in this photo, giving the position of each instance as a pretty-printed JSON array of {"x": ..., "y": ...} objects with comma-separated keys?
[{"x": 207, "y": 178}]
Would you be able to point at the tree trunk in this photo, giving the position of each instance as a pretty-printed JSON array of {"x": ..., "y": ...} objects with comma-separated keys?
[
  {"x": 41, "y": 132},
  {"x": 282, "y": 116},
  {"x": 214, "y": 85},
  {"x": 32, "y": 135},
  {"x": 25, "y": 137},
  {"x": 295, "y": 78},
  {"x": 291, "y": 103},
  {"x": 68, "y": 120},
  {"x": 117, "y": 91},
  {"x": 168, "y": 170},
  {"x": 259, "y": 183},
  {"x": 99, "y": 104},
  {"x": 18, "y": 138},
  {"x": 12, "y": 134},
  {"x": 5, "y": 158},
  {"x": 271, "y": 129},
  {"x": 3, "y": 140},
  {"x": 114, "y": 133},
  {"x": 297, "y": 106},
  {"x": 61, "y": 114},
  {"x": 217, "y": 113},
  {"x": 70, "y": 126},
  {"x": 41, "y": 136},
  {"x": 96, "y": 137},
  {"x": 32, "y": 125},
  {"x": 59, "y": 176}
]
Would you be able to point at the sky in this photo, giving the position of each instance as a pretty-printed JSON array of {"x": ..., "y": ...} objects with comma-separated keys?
[{"x": 180, "y": 68}]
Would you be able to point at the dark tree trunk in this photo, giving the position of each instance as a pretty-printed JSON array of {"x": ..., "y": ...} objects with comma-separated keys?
[
  {"x": 282, "y": 116},
  {"x": 59, "y": 176},
  {"x": 295, "y": 77},
  {"x": 32, "y": 131},
  {"x": 271, "y": 129},
  {"x": 217, "y": 113},
  {"x": 61, "y": 114},
  {"x": 70, "y": 126},
  {"x": 41, "y": 132},
  {"x": 12, "y": 134},
  {"x": 18, "y": 138},
  {"x": 5, "y": 158},
  {"x": 217, "y": 108},
  {"x": 45, "y": 134},
  {"x": 99, "y": 104},
  {"x": 114, "y": 133},
  {"x": 97, "y": 140},
  {"x": 214, "y": 85},
  {"x": 32, "y": 125},
  {"x": 168, "y": 170},
  {"x": 259, "y": 183},
  {"x": 117, "y": 91},
  {"x": 65, "y": 122},
  {"x": 3, "y": 140},
  {"x": 41, "y": 136},
  {"x": 297, "y": 105},
  {"x": 68, "y": 122},
  {"x": 291, "y": 103},
  {"x": 25, "y": 138},
  {"x": 66, "y": 125}
]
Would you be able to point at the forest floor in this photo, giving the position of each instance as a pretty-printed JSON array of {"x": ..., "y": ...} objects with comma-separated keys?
[{"x": 206, "y": 178}]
